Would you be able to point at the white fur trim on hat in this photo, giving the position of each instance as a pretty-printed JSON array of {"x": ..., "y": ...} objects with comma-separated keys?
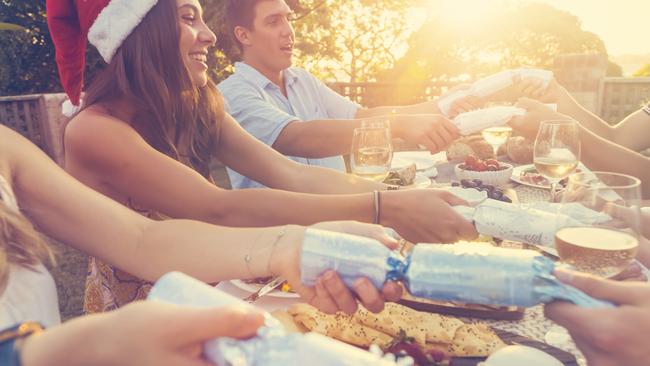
[
  {"x": 115, "y": 22},
  {"x": 68, "y": 109}
]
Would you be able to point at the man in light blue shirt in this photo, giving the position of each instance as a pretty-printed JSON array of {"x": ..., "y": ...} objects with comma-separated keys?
[
  {"x": 292, "y": 111},
  {"x": 264, "y": 111}
]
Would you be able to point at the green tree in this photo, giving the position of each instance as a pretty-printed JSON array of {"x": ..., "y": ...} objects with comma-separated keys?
[
  {"x": 351, "y": 40},
  {"x": 27, "y": 63},
  {"x": 526, "y": 35},
  {"x": 643, "y": 72},
  {"x": 613, "y": 69}
]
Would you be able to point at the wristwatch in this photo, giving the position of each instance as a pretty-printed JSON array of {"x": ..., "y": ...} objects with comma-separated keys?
[{"x": 11, "y": 338}]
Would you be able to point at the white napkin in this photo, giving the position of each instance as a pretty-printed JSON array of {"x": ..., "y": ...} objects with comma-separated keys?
[
  {"x": 475, "y": 121},
  {"x": 493, "y": 84},
  {"x": 527, "y": 73},
  {"x": 471, "y": 195},
  {"x": 445, "y": 101},
  {"x": 574, "y": 209}
]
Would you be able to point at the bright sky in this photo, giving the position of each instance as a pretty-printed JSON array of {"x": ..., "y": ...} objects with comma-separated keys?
[{"x": 624, "y": 25}]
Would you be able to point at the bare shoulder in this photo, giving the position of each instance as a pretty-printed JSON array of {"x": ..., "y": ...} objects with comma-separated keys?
[
  {"x": 93, "y": 125},
  {"x": 94, "y": 133}
]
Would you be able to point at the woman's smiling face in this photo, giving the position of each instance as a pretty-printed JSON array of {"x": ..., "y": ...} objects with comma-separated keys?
[{"x": 195, "y": 40}]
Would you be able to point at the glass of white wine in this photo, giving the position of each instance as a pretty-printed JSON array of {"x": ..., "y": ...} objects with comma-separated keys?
[
  {"x": 557, "y": 150},
  {"x": 602, "y": 236},
  {"x": 372, "y": 152},
  {"x": 497, "y": 136}
]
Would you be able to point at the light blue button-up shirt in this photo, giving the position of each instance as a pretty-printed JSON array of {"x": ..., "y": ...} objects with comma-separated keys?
[{"x": 261, "y": 108}]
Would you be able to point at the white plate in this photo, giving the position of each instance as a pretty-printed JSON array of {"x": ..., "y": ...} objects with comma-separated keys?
[
  {"x": 420, "y": 181},
  {"x": 253, "y": 287},
  {"x": 471, "y": 195},
  {"x": 423, "y": 159},
  {"x": 516, "y": 173}
]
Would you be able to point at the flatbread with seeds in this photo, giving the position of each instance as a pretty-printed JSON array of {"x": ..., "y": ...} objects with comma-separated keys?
[
  {"x": 475, "y": 340},
  {"x": 393, "y": 320},
  {"x": 338, "y": 326}
]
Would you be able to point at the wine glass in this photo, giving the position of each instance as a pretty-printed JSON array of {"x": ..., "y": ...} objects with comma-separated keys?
[
  {"x": 496, "y": 136},
  {"x": 598, "y": 228},
  {"x": 372, "y": 152},
  {"x": 557, "y": 150}
]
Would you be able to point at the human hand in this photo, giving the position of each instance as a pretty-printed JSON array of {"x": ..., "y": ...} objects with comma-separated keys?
[
  {"x": 632, "y": 273},
  {"x": 537, "y": 89},
  {"x": 528, "y": 124},
  {"x": 433, "y": 131},
  {"x": 612, "y": 336},
  {"x": 330, "y": 294},
  {"x": 426, "y": 216},
  {"x": 141, "y": 333},
  {"x": 464, "y": 104}
]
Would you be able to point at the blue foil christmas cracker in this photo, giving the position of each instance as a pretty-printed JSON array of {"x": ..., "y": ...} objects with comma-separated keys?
[
  {"x": 272, "y": 346},
  {"x": 470, "y": 273}
]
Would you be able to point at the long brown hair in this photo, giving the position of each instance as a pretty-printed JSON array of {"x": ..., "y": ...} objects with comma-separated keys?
[
  {"x": 148, "y": 70},
  {"x": 20, "y": 244}
]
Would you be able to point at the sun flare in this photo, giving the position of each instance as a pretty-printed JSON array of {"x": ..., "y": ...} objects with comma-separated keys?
[{"x": 461, "y": 13}]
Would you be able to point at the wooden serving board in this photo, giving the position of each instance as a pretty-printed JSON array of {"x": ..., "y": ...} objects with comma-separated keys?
[
  {"x": 464, "y": 310},
  {"x": 510, "y": 338}
]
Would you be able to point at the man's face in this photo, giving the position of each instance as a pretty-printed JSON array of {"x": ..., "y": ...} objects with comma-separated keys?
[{"x": 270, "y": 42}]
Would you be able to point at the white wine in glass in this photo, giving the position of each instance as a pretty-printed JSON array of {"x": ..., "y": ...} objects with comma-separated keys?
[
  {"x": 601, "y": 251},
  {"x": 372, "y": 153},
  {"x": 555, "y": 165},
  {"x": 496, "y": 136},
  {"x": 608, "y": 245},
  {"x": 557, "y": 150}
]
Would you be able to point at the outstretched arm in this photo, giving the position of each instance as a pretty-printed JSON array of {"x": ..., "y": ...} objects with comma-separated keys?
[{"x": 72, "y": 213}]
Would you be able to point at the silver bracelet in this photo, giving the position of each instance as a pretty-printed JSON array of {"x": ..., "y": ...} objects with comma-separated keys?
[
  {"x": 376, "y": 203},
  {"x": 249, "y": 256}
]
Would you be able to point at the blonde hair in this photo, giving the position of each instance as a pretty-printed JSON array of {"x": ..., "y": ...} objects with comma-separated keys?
[{"x": 20, "y": 244}]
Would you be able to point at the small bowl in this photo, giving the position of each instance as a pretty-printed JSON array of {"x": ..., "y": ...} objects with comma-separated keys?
[{"x": 493, "y": 178}]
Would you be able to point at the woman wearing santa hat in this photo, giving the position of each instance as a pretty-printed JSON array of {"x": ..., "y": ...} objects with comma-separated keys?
[{"x": 152, "y": 121}]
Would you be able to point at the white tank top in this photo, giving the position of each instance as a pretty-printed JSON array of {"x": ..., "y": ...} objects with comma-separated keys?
[{"x": 30, "y": 294}]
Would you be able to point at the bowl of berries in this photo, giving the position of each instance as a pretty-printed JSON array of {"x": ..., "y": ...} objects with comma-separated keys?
[{"x": 489, "y": 171}]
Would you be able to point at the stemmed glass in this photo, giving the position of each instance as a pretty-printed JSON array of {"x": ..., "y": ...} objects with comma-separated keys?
[
  {"x": 598, "y": 228},
  {"x": 372, "y": 150},
  {"x": 496, "y": 136},
  {"x": 557, "y": 150}
]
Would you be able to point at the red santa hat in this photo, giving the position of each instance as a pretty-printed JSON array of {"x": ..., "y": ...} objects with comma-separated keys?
[{"x": 105, "y": 23}]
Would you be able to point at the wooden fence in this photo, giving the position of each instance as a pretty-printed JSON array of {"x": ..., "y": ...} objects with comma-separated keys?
[{"x": 39, "y": 118}]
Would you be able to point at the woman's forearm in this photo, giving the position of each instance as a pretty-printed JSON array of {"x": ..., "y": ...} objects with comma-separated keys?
[
  {"x": 319, "y": 180},
  {"x": 569, "y": 106},
  {"x": 70, "y": 344},
  {"x": 270, "y": 207},
  {"x": 600, "y": 154},
  {"x": 211, "y": 253}
]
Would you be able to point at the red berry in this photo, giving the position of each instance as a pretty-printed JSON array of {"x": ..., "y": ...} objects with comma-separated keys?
[
  {"x": 492, "y": 162},
  {"x": 480, "y": 167},
  {"x": 492, "y": 168},
  {"x": 470, "y": 160}
]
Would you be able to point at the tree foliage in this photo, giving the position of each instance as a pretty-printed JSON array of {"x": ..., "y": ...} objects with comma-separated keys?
[
  {"x": 532, "y": 34},
  {"x": 643, "y": 72},
  {"x": 27, "y": 63},
  {"x": 344, "y": 40}
]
